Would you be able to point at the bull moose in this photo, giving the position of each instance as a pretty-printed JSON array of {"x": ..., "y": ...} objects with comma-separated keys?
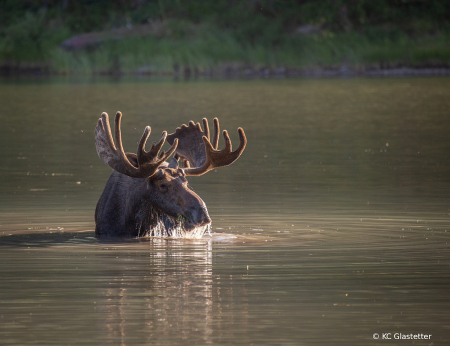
[{"x": 147, "y": 196}]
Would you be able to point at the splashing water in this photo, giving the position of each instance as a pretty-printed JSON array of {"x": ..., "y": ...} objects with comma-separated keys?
[{"x": 167, "y": 226}]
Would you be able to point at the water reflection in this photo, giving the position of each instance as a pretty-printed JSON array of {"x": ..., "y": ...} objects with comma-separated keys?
[
  {"x": 169, "y": 295},
  {"x": 141, "y": 291}
]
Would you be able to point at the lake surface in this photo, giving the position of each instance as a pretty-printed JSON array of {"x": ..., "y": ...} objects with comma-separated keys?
[{"x": 332, "y": 226}]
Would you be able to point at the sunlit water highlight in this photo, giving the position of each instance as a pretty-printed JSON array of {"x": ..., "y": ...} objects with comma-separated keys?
[{"x": 173, "y": 228}]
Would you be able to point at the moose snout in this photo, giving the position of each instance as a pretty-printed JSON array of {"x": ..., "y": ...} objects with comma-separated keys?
[
  {"x": 199, "y": 215},
  {"x": 206, "y": 219}
]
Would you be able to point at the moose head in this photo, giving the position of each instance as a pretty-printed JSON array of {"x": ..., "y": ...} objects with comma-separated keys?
[{"x": 148, "y": 196}]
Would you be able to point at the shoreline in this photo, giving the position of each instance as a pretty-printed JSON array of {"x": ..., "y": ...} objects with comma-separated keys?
[{"x": 10, "y": 70}]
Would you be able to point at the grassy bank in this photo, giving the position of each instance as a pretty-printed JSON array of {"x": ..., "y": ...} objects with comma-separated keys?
[
  {"x": 212, "y": 49},
  {"x": 236, "y": 36}
]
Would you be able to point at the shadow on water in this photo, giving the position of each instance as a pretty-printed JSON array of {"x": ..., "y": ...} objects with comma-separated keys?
[
  {"x": 47, "y": 239},
  {"x": 87, "y": 238}
]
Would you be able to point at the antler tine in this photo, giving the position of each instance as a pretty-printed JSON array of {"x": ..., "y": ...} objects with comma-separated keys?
[
  {"x": 104, "y": 123},
  {"x": 164, "y": 156},
  {"x": 156, "y": 147},
  {"x": 141, "y": 153},
  {"x": 130, "y": 169},
  {"x": 205, "y": 127},
  {"x": 216, "y": 158},
  {"x": 227, "y": 140},
  {"x": 215, "y": 142},
  {"x": 242, "y": 141}
]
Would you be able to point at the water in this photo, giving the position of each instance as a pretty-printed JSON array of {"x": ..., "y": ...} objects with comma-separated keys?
[{"x": 332, "y": 226}]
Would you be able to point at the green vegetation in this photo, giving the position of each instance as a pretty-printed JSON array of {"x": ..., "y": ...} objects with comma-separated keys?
[{"x": 208, "y": 34}]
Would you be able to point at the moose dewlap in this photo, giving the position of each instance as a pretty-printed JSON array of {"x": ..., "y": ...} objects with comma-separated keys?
[{"x": 147, "y": 196}]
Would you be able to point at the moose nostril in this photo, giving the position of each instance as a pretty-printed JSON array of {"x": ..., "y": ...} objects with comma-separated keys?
[
  {"x": 206, "y": 220},
  {"x": 199, "y": 217}
]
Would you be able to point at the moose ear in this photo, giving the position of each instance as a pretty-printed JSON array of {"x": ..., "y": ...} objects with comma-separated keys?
[{"x": 173, "y": 163}]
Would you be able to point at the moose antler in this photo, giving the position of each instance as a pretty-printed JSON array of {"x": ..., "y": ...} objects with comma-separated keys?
[
  {"x": 146, "y": 163},
  {"x": 195, "y": 146}
]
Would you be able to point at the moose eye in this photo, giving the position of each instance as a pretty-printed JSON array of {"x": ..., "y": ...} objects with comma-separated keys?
[{"x": 163, "y": 188}]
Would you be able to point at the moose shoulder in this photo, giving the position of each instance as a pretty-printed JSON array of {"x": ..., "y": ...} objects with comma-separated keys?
[{"x": 148, "y": 196}]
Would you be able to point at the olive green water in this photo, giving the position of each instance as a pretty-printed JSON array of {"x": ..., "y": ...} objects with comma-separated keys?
[{"x": 332, "y": 226}]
